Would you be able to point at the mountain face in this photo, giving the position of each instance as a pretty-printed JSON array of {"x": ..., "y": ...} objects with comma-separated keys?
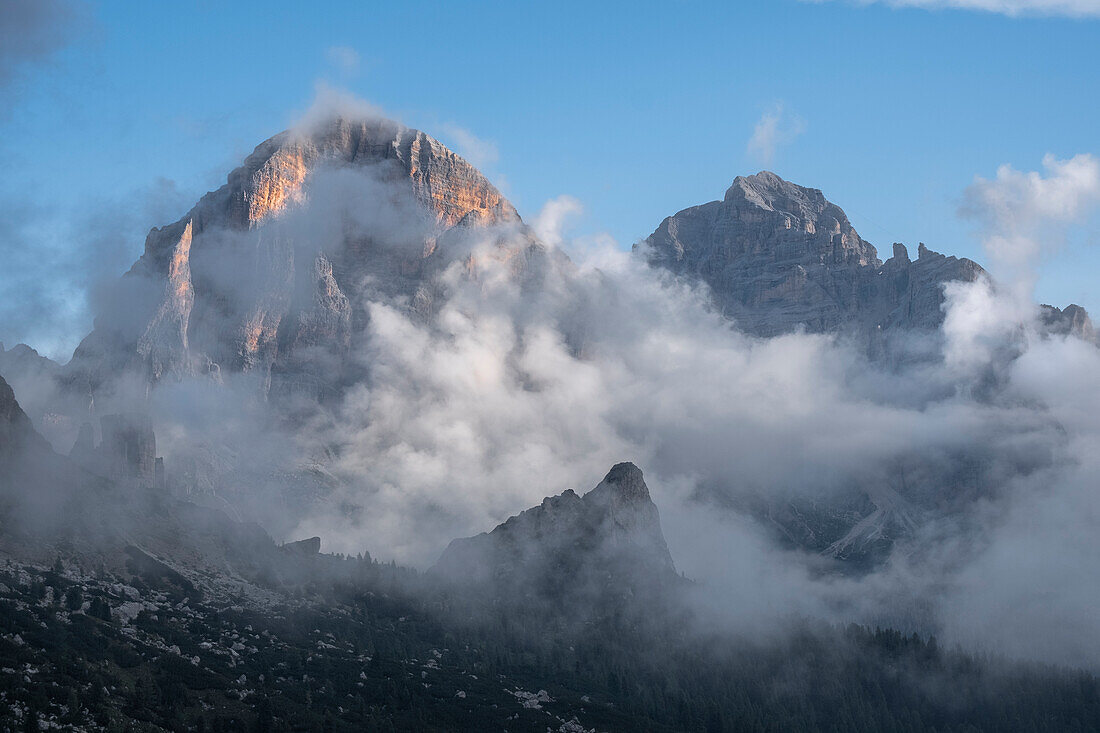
[
  {"x": 1071, "y": 320},
  {"x": 571, "y": 546},
  {"x": 265, "y": 275},
  {"x": 778, "y": 257},
  {"x": 17, "y": 434}
]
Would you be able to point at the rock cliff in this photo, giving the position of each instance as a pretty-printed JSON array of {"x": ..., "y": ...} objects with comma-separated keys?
[
  {"x": 778, "y": 257},
  {"x": 571, "y": 546},
  {"x": 266, "y": 274}
]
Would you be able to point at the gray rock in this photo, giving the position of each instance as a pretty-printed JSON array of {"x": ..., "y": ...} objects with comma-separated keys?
[
  {"x": 780, "y": 257},
  {"x": 229, "y": 288},
  {"x": 17, "y": 433},
  {"x": 1073, "y": 320},
  {"x": 609, "y": 538}
]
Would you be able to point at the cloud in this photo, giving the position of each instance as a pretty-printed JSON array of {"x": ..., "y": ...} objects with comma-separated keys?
[
  {"x": 1012, "y": 8},
  {"x": 32, "y": 30},
  {"x": 344, "y": 58},
  {"x": 552, "y": 217},
  {"x": 480, "y": 153},
  {"x": 489, "y": 374},
  {"x": 330, "y": 102},
  {"x": 1024, "y": 216},
  {"x": 773, "y": 130},
  {"x": 54, "y": 261}
]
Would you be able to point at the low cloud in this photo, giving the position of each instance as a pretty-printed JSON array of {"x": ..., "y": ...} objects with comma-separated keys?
[
  {"x": 774, "y": 129},
  {"x": 551, "y": 219},
  {"x": 493, "y": 377},
  {"x": 55, "y": 261}
]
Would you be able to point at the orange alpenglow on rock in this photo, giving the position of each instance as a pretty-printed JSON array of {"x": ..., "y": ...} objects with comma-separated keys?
[{"x": 237, "y": 286}]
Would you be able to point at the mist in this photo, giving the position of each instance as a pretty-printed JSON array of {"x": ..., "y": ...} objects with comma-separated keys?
[{"x": 530, "y": 372}]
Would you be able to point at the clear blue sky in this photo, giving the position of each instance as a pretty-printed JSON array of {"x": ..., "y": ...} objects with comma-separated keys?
[{"x": 636, "y": 109}]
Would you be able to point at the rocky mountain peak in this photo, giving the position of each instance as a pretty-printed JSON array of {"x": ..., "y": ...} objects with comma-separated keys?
[
  {"x": 766, "y": 190},
  {"x": 1073, "y": 320},
  {"x": 612, "y": 532},
  {"x": 273, "y": 176},
  {"x": 237, "y": 285},
  {"x": 623, "y": 485},
  {"x": 779, "y": 257}
]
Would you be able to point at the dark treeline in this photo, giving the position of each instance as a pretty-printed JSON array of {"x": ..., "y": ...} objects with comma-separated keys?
[{"x": 361, "y": 645}]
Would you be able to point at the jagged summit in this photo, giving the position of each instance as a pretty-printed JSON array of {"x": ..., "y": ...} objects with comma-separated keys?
[
  {"x": 623, "y": 484},
  {"x": 235, "y": 286},
  {"x": 780, "y": 257},
  {"x": 610, "y": 537}
]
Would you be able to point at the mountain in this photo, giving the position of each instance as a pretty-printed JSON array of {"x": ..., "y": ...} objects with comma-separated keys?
[
  {"x": 571, "y": 546},
  {"x": 778, "y": 257},
  {"x": 17, "y": 433},
  {"x": 189, "y": 621},
  {"x": 22, "y": 359},
  {"x": 266, "y": 275},
  {"x": 1071, "y": 320}
]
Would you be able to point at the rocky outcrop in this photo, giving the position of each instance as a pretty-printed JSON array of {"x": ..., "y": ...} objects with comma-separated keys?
[
  {"x": 17, "y": 434},
  {"x": 129, "y": 447},
  {"x": 239, "y": 285},
  {"x": 1073, "y": 320},
  {"x": 778, "y": 257},
  {"x": 126, "y": 454},
  {"x": 568, "y": 546},
  {"x": 163, "y": 345},
  {"x": 303, "y": 548}
]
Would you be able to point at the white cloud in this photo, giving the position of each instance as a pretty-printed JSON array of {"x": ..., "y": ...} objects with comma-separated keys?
[
  {"x": 549, "y": 223},
  {"x": 1023, "y": 215},
  {"x": 479, "y": 152},
  {"x": 773, "y": 129},
  {"x": 1013, "y": 8},
  {"x": 330, "y": 102}
]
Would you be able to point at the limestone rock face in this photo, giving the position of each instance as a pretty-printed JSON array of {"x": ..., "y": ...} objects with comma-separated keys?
[
  {"x": 239, "y": 285},
  {"x": 609, "y": 538},
  {"x": 778, "y": 257},
  {"x": 164, "y": 344},
  {"x": 1073, "y": 320}
]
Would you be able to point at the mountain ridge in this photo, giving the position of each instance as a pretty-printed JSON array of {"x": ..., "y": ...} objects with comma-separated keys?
[
  {"x": 603, "y": 544},
  {"x": 778, "y": 257},
  {"x": 230, "y": 287}
]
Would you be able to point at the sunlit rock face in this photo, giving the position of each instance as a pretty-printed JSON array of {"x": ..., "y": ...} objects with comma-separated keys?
[
  {"x": 269, "y": 274},
  {"x": 779, "y": 257}
]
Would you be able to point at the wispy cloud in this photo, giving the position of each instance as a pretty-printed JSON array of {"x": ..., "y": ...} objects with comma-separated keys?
[
  {"x": 774, "y": 129},
  {"x": 31, "y": 30},
  {"x": 1013, "y": 8},
  {"x": 344, "y": 58},
  {"x": 1023, "y": 213},
  {"x": 481, "y": 153}
]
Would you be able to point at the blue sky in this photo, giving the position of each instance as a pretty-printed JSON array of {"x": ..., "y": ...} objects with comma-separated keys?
[{"x": 128, "y": 111}]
